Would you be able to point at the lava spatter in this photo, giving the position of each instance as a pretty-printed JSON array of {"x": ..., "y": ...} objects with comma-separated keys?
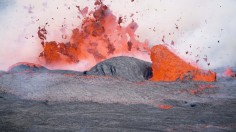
[
  {"x": 42, "y": 32},
  {"x": 167, "y": 66},
  {"x": 99, "y": 37},
  {"x": 230, "y": 73}
]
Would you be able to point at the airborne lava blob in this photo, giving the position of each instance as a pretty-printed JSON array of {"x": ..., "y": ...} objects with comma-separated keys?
[
  {"x": 99, "y": 37},
  {"x": 230, "y": 73}
]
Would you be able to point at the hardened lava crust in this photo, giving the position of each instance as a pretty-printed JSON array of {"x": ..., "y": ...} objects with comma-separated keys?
[{"x": 115, "y": 95}]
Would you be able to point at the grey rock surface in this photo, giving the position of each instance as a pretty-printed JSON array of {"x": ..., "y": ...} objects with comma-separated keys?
[
  {"x": 2, "y": 72},
  {"x": 62, "y": 102},
  {"x": 129, "y": 68},
  {"x": 29, "y": 67},
  {"x": 33, "y": 68},
  {"x": 73, "y": 101},
  {"x": 27, "y": 115}
]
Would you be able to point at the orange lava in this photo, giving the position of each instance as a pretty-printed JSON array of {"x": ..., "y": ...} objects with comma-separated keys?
[
  {"x": 200, "y": 89},
  {"x": 167, "y": 66},
  {"x": 230, "y": 73},
  {"x": 165, "y": 107},
  {"x": 99, "y": 37}
]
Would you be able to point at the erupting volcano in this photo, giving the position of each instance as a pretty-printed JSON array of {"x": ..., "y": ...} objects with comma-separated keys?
[
  {"x": 101, "y": 36},
  {"x": 98, "y": 75}
]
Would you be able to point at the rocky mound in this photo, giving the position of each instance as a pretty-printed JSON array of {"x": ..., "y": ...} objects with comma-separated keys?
[
  {"x": 128, "y": 68},
  {"x": 30, "y": 67},
  {"x": 27, "y": 67}
]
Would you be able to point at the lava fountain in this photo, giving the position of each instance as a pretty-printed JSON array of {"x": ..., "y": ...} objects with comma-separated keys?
[{"x": 100, "y": 36}]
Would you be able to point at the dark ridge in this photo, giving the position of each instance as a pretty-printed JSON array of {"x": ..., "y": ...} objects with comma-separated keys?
[
  {"x": 27, "y": 67},
  {"x": 128, "y": 68},
  {"x": 30, "y": 67}
]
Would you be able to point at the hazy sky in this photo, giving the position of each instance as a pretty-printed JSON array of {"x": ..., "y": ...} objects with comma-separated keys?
[{"x": 205, "y": 27}]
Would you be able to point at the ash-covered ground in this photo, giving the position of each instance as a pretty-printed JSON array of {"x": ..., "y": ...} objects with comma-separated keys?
[{"x": 115, "y": 95}]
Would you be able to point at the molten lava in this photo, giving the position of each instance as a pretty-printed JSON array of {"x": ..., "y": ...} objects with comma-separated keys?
[
  {"x": 230, "y": 73},
  {"x": 164, "y": 106},
  {"x": 98, "y": 38},
  {"x": 200, "y": 89},
  {"x": 167, "y": 66},
  {"x": 101, "y": 36}
]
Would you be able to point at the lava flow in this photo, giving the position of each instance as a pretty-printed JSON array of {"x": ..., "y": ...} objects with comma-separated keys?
[
  {"x": 99, "y": 37},
  {"x": 167, "y": 66}
]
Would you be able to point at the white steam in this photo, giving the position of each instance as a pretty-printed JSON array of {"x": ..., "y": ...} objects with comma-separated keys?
[{"x": 205, "y": 25}]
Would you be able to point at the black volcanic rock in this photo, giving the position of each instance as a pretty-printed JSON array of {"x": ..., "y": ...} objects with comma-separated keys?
[
  {"x": 31, "y": 67},
  {"x": 128, "y": 68},
  {"x": 27, "y": 67}
]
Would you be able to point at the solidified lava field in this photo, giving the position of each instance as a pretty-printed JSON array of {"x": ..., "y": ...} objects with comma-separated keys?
[{"x": 34, "y": 98}]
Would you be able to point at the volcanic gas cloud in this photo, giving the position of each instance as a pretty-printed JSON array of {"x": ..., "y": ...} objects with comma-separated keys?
[{"x": 100, "y": 36}]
